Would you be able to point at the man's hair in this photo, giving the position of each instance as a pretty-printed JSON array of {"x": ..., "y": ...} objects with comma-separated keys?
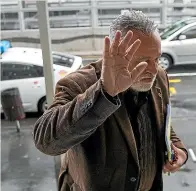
[{"x": 130, "y": 20}]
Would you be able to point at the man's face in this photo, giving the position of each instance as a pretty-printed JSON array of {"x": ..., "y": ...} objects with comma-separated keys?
[{"x": 149, "y": 51}]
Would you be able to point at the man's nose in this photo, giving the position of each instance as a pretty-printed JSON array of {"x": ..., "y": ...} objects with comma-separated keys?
[{"x": 153, "y": 67}]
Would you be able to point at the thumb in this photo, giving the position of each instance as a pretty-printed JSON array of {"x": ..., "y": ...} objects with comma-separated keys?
[
  {"x": 174, "y": 147},
  {"x": 138, "y": 70}
]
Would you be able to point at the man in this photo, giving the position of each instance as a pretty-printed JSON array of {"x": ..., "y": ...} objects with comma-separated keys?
[{"x": 108, "y": 118}]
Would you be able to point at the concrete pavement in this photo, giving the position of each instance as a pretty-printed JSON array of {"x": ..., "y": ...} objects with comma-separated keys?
[{"x": 23, "y": 167}]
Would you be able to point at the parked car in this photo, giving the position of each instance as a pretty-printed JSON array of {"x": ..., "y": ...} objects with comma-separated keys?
[
  {"x": 23, "y": 68},
  {"x": 179, "y": 43}
]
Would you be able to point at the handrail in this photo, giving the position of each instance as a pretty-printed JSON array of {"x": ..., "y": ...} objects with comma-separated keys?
[{"x": 93, "y": 10}]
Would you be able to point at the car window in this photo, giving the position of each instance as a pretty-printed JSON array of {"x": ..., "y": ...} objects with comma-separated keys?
[
  {"x": 175, "y": 27},
  {"x": 63, "y": 60},
  {"x": 12, "y": 71},
  {"x": 190, "y": 33},
  {"x": 172, "y": 29},
  {"x": 39, "y": 70}
]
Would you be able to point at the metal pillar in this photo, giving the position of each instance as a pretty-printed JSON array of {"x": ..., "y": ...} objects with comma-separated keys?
[
  {"x": 94, "y": 14},
  {"x": 43, "y": 19},
  {"x": 21, "y": 16},
  {"x": 94, "y": 21},
  {"x": 44, "y": 28},
  {"x": 17, "y": 126},
  {"x": 164, "y": 13}
]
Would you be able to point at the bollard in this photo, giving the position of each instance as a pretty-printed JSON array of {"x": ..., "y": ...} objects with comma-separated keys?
[{"x": 12, "y": 106}]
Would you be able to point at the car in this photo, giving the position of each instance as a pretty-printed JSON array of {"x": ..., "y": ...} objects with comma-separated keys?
[
  {"x": 23, "y": 68},
  {"x": 179, "y": 43}
]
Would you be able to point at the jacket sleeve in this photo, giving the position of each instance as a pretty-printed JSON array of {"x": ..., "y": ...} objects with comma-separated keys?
[
  {"x": 174, "y": 138},
  {"x": 78, "y": 109}
]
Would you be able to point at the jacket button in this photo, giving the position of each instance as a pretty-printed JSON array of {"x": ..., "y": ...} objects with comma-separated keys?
[{"x": 132, "y": 179}]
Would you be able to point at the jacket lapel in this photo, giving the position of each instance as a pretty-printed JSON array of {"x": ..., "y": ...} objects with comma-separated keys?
[
  {"x": 158, "y": 109},
  {"x": 157, "y": 101},
  {"x": 122, "y": 117}
]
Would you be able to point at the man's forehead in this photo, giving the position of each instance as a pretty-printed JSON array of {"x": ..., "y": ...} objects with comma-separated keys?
[{"x": 151, "y": 39}]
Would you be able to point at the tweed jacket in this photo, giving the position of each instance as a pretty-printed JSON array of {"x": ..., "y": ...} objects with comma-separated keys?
[{"x": 93, "y": 135}]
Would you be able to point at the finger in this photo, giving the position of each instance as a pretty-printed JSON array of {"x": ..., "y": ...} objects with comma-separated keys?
[
  {"x": 132, "y": 49},
  {"x": 165, "y": 169},
  {"x": 138, "y": 70},
  {"x": 124, "y": 43},
  {"x": 168, "y": 166},
  {"x": 171, "y": 167},
  {"x": 106, "y": 51},
  {"x": 115, "y": 43},
  {"x": 174, "y": 147},
  {"x": 175, "y": 168}
]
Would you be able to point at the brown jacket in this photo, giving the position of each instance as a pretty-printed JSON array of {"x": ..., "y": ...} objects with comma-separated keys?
[{"x": 93, "y": 134}]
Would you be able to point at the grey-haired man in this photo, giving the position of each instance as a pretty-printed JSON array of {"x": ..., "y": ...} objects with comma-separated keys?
[{"x": 108, "y": 118}]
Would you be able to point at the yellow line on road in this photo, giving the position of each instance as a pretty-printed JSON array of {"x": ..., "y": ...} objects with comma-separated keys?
[
  {"x": 175, "y": 81},
  {"x": 172, "y": 91}
]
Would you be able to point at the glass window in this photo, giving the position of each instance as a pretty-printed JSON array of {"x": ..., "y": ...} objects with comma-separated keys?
[
  {"x": 28, "y": 4},
  {"x": 39, "y": 70},
  {"x": 10, "y": 15},
  {"x": 10, "y": 21},
  {"x": 63, "y": 60},
  {"x": 30, "y": 14},
  {"x": 31, "y": 20},
  {"x": 190, "y": 33},
  {"x": 107, "y": 15},
  {"x": 74, "y": 18},
  {"x": 12, "y": 71}
]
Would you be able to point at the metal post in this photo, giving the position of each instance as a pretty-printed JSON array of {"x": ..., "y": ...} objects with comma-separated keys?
[
  {"x": 94, "y": 20},
  {"x": 21, "y": 16},
  {"x": 164, "y": 13},
  {"x": 18, "y": 126},
  {"x": 44, "y": 28},
  {"x": 94, "y": 14}
]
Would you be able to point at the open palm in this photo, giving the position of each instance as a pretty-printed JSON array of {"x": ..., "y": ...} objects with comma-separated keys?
[{"x": 117, "y": 57}]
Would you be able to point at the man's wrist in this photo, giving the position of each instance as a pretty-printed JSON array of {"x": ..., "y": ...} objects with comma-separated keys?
[
  {"x": 113, "y": 99},
  {"x": 109, "y": 97}
]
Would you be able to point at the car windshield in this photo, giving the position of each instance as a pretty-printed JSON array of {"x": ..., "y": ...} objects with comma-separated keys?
[
  {"x": 63, "y": 60},
  {"x": 172, "y": 29}
]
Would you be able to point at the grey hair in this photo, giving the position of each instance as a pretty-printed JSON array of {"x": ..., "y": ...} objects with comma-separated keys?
[{"x": 130, "y": 20}]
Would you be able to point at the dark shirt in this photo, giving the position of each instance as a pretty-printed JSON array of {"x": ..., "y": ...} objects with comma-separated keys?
[{"x": 139, "y": 108}]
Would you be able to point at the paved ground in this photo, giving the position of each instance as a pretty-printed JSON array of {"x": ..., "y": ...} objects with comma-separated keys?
[
  {"x": 184, "y": 120},
  {"x": 24, "y": 168}
]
